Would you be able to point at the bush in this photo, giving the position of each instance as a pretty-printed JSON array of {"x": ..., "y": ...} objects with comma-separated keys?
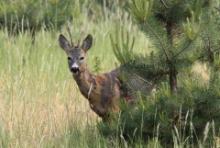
[{"x": 185, "y": 118}]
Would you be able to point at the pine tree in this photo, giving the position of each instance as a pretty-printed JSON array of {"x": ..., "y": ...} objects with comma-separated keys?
[
  {"x": 182, "y": 33},
  {"x": 173, "y": 27}
]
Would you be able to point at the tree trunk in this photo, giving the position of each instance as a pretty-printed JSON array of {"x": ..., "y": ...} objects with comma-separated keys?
[
  {"x": 172, "y": 67},
  {"x": 169, "y": 29},
  {"x": 173, "y": 79}
]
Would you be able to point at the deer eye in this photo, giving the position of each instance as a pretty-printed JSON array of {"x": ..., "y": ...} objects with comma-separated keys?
[
  {"x": 69, "y": 59},
  {"x": 81, "y": 58}
]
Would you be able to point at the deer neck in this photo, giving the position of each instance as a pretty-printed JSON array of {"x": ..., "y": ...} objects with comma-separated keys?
[{"x": 85, "y": 81}]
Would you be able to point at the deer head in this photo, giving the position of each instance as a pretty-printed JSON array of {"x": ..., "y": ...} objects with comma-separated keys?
[{"x": 76, "y": 54}]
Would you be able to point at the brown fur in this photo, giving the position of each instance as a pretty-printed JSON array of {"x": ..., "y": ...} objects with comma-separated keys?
[{"x": 102, "y": 91}]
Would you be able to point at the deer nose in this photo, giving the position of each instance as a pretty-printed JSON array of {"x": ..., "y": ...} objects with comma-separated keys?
[{"x": 74, "y": 68}]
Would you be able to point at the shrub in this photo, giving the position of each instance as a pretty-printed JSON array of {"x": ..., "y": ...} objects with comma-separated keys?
[
  {"x": 184, "y": 114},
  {"x": 185, "y": 117}
]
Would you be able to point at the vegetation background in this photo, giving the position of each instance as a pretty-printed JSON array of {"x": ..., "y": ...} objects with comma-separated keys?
[{"x": 40, "y": 104}]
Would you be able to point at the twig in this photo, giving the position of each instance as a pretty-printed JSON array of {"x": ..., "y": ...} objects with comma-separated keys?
[
  {"x": 165, "y": 5},
  {"x": 143, "y": 79},
  {"x": 210, "y": 52},
  {"x": 184, "y": 48},
  {"x": 90, "y": 90}
]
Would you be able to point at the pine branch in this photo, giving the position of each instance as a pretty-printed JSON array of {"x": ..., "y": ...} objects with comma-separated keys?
[
  {"x": 122, "y": 46},
  {"x": 183, "y": 49},
  {"x": 159, "y": 40},
  {"x": 205, "y": 54}
]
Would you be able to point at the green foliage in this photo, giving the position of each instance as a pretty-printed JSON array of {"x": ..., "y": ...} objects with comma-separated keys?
[
  {"x": 122, "y": 46},
  {"x": 141, "y": 10},
  {"x": 113, "y": 4},
  {"x": 97, "y": 64},
  {"x": 138, "y": 73},
  {"x": 165, "y": 116},
  {"x": 210, "y": 36},
  {"x": 32, "y": 73},
  {"x": 162, "y": 22},
  {"x": 19, "y": 15},
  {"x": 182, "y": 32}
]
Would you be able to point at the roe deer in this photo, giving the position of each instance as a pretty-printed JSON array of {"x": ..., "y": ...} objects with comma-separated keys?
[
  {"x": 105, "y": 90},
  {"x": 102, "y": 91}
]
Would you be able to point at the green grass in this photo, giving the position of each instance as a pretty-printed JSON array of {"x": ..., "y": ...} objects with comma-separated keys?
[{"x": 40, "y": 104}]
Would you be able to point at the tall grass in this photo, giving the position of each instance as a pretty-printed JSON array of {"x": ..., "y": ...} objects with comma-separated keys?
[{"x": 40, "y": 104}]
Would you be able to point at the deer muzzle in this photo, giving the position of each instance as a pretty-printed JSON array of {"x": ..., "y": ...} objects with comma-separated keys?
[{"x": 74, "y": 68}]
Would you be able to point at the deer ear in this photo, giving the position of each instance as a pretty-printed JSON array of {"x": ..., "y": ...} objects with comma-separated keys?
[
  {"x": 64, "y": 43},
  {"x": 87, "y": 43}
]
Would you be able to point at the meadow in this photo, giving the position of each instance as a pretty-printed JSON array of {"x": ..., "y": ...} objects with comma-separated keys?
[{"x": 40, "y": 104}]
